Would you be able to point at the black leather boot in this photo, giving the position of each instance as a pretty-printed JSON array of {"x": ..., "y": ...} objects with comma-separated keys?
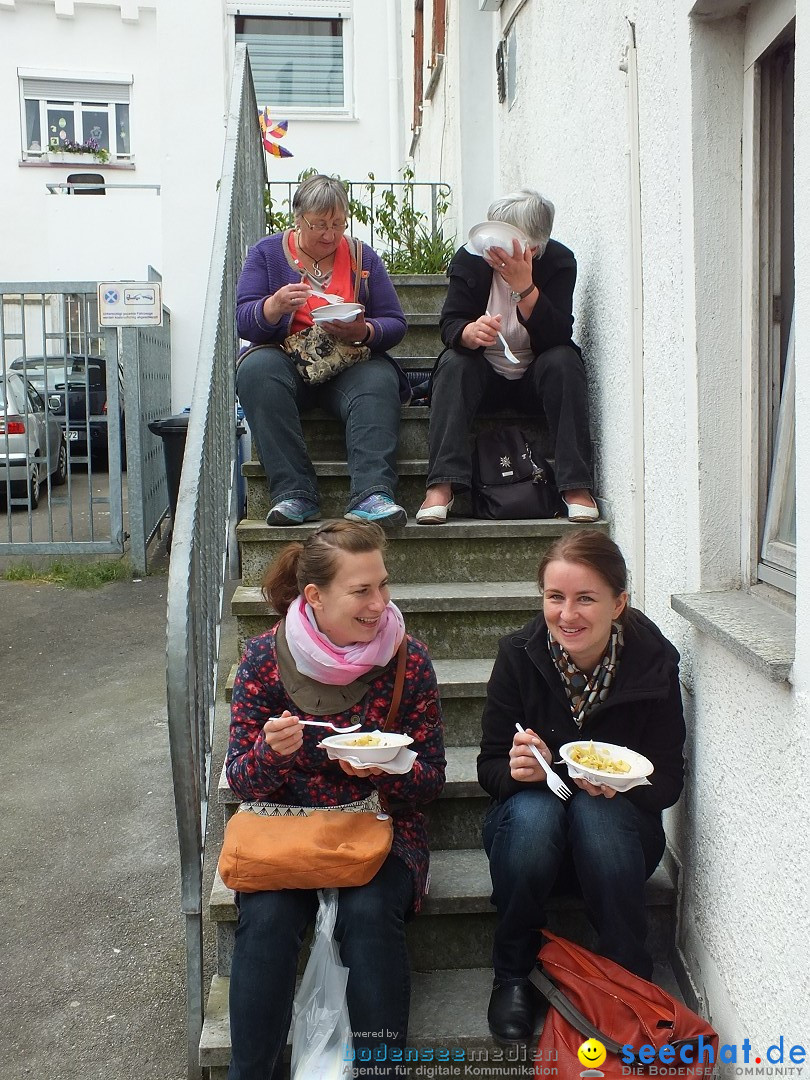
[{"x": 511, "y": 1013}]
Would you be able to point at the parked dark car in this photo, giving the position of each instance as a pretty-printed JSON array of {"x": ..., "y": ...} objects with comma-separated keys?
[
  {"x": 77, "y": 397},
  {"x": 32, "y": 445}
]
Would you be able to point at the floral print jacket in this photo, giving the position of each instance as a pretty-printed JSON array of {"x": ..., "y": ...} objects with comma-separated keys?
[{"x": 309, "y": 778}]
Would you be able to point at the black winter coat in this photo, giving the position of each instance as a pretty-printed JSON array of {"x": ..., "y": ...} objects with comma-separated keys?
[
  {"x": 551, "y": 320},
  {"x": 643, "y": 710}
]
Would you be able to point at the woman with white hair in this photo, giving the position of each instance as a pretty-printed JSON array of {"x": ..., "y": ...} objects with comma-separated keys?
[{"x": 527, "y": 296}]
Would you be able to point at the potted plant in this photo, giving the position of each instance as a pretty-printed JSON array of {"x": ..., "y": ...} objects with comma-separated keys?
[{"x": 66, "y": 152}]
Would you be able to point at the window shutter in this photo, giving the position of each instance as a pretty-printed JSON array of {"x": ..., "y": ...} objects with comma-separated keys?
[
  {"x": 300, "y": 71},
  {"x": 75, "y": 90}
]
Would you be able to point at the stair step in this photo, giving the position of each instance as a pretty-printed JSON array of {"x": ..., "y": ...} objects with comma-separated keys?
[
  {"x": 421, "y": 339},
  {"x": 420, "y": 292},
  {"x": 448, "y": 1012},
  {"x": 333, "y": 487},
  {"x": 462, "y": 686},
  {"x": 463, "y": 549},
  {"x": 461, "y": 779},
  {"x": 325, "y": 440},
  {"x": 449, "y": 617}
]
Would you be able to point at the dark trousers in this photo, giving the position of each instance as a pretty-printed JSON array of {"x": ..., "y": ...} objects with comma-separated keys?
[
  {"x": 365, "y": 397},
  {"x": 615, "y": 847},
  {"x": 554, "y": 385},
  {"x": 370, "y": 929}
]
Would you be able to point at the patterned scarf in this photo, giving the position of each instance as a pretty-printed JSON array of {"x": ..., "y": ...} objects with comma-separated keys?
[
  {"x": 338, "y": 665},
  {"x": 585, "y": 692}
]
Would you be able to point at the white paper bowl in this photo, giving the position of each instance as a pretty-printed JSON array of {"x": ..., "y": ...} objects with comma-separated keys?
[
  {"x": 336, "y": 312},
  {"x": 640, "y": 767},
  {"x": 390, "y": 745},
  {"x": 494, "y": 234}
]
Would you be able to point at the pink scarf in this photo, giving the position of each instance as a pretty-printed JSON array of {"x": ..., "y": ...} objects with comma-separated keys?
[{"x": 338, "y": 665}]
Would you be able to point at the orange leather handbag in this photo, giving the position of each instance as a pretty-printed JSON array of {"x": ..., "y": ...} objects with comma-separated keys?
[{"x": 292, "y": 847}]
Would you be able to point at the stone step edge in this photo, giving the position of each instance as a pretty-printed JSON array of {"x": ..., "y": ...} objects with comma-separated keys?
[
  {"x": 423, "y": 597},
  {"x": 448, "y": 1011},
  {"x": 463, "y": 678},
  {"x": 461, "y": 782},
  {"x": 448, "y": 869},
  {"x": 255, "y": 469},
  {"x": 253, "y": 530}
]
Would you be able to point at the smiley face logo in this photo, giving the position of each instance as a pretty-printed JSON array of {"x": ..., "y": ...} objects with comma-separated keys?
[{"x": 592, "y": 1054}]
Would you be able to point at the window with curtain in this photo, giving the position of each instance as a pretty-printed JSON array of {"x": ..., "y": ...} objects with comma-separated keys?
[
  {"x": 296, "y": 62},
  {"x": 56, "y": 111}
]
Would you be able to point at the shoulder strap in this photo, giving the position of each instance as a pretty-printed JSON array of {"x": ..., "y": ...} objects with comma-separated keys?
[
  {"x": 569, "y": 1011},
  {"x": 399, "y": 682},
  {"x": 357, "y": 262}
]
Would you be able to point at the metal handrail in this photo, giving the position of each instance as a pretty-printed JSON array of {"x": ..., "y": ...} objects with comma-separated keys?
[
  {"x": 53, "y": 188},
  {"x": 200, "y": 533},
  {"x": 425, "y": 198}
]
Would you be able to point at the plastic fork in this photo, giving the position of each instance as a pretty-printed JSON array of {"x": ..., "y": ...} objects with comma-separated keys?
[
  {"x": 558, "y": 786},
  {"x": 326, "y": 723},
  {"x": 510, "y": 356}
]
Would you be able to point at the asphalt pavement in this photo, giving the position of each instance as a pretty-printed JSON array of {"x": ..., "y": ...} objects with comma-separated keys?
[{"x": 92, "y": 960}]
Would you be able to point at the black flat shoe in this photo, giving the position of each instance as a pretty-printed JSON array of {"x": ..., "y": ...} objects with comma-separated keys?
[{"x": 511, "y": 1013}]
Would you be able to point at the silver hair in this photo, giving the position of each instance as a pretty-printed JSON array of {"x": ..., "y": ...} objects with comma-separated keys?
[
  {"x": 528, "y": 211},
  {"x": 320, "y": 194}
]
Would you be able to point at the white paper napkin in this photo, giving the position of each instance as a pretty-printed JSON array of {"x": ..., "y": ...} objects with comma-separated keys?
[
  {"x": 402, "y": 763},
  {"x": 626, "y": 784}
]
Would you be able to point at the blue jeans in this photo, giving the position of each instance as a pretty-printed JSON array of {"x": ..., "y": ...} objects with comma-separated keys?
[
  {"x": 370, "y": 928},
  {"x": 614, "y": 846},
  {"x": 365, "y": 397}
]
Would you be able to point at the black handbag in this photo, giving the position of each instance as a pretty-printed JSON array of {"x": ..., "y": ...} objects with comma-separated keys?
[{"x": 510, "y": 480}]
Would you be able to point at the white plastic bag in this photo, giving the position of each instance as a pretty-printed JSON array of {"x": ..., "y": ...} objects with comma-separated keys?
[{"x": 322, "y": 1034}]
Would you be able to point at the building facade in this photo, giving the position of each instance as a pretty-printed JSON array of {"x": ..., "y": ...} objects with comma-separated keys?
[
  {"x": 664, "y": 133},
  {"x": 148, "y": 82}
]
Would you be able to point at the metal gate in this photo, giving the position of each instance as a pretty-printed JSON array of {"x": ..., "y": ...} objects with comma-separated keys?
[{"x": 74, "y": 404}]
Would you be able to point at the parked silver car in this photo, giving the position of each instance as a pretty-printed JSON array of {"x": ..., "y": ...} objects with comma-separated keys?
[{"x": 32, "y": 443}]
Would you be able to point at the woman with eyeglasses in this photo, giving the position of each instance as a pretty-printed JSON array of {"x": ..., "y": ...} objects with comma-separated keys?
[{"x": 285, "y": 277}]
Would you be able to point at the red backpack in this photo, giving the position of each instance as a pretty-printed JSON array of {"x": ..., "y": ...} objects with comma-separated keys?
[{"x": 593, "y": 998}]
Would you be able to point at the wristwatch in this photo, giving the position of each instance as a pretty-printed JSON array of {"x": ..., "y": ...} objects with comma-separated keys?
[{"x": 518, "y": 296}]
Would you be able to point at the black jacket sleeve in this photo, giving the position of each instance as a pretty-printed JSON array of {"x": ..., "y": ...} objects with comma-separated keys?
[
  {"x": 663, "y": 744},
  {"x": 551, "y": 320},
  {"x": 504, "y": 707}
]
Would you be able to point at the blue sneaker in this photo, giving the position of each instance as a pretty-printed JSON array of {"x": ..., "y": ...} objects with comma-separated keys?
[
  {"x": 293, "y": 512},
  {"x": 378, "y": 508}
]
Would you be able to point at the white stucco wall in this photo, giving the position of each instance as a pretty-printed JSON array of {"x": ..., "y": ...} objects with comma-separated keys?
[
  {"x": 740, "y": 830},
  {"x": 51, "y": 237}
]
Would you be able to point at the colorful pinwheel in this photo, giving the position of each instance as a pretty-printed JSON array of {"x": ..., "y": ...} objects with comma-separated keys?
[{"x": 270, "y": 131}]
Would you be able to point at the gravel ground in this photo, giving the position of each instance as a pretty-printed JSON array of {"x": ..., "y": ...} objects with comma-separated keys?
[{"x": 91, "y": 940}]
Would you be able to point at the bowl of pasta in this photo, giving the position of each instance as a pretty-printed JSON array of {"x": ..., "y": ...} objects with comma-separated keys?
[
  {"x": 605, "y": 763},
  {"x": 368, "y": 746}
]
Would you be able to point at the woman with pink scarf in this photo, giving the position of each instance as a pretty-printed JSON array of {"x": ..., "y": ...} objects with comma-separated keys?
[{"x": 333, "y": 656}]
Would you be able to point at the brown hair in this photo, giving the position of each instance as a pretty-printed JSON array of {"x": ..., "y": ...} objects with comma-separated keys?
[
  {"x": 592, "y": 548},
  {"x": 315, "y": 561}
]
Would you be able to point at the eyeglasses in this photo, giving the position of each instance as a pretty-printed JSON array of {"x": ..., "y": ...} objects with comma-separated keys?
[{"x": 321, "y": 226}]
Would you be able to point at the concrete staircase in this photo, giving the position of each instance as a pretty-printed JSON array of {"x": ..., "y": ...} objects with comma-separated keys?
[{"x": 460, "y": 586}]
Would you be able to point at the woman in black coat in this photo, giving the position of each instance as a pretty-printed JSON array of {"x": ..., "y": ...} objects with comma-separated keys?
[
  {"x": 588, "y": 667},
  {"x": 525, "y": 297}
]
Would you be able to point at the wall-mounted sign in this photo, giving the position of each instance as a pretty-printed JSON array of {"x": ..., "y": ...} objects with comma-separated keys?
[{"x": 130, "y": 303}]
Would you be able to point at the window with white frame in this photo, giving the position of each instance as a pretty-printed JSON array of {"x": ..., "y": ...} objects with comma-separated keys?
[
  {"x": 300, "y": 57},
  {"x": 81, "y": 112},
  {"x": 773, "y": 213}
]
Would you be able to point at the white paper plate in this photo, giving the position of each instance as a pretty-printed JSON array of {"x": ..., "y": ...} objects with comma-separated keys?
[
  {"x": 343, "y": 745},
  {"x": 336, "y": 312},
  {"x": 640, "y": 766},
  {"x": 493, "y": 234}
]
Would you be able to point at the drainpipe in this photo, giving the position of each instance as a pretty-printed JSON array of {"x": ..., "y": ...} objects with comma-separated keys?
[
  {"x": 630, "y": 66},
  {"x": 394, "y": 87}
]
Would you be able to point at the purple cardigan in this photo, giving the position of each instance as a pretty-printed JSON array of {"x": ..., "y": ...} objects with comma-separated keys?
[{"x": 267, "y": 268}]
